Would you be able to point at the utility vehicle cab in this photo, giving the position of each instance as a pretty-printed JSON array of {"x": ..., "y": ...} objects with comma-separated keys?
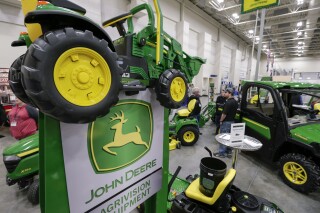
[{"x": 283, "y": 117}]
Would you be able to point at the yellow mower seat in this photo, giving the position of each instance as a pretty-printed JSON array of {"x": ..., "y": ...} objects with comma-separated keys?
[
  {"x": 193, "y": 191},
  {"x": 317, "y": 107},
  {"x": 187, "y": 112}
]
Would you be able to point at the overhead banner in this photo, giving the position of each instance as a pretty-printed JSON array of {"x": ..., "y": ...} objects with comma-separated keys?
[{"x": 252, "y": 5}]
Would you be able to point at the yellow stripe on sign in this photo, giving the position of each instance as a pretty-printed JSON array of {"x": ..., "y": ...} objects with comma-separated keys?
[
  {"x": 255, "y": 123},
  {"x": 111, "y": 23},
  {"x": 28, "y": 152}
]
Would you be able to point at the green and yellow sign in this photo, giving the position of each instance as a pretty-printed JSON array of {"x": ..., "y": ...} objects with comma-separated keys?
[
  {"x": 252, "y": 5},
  {"x": 119, "y": 139}
]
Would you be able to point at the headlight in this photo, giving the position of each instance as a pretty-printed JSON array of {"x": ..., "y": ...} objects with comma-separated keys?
[{"x": 11, "y": 158}]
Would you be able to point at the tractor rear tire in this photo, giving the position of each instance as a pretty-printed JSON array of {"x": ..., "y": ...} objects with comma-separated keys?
[
  {"x": 33, "y": 192},
  {"x": 299, "y": 173},
  {"x": 71, "y": 75},
  {"x": 15, "y": 80},
  {"x": 171, "y": 89},
  {"x": 188, "y": 135}
]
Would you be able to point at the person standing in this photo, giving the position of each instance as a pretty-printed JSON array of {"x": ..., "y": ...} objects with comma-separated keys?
[
  {"x": 221, "y": 100},
  {"x": 23, "y": 120},
  {"x": 227, "y": 118}
]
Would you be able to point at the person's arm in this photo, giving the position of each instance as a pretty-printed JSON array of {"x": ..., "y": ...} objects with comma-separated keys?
[
  {"x": 223, "y": 116},
  {"x": 33, "y": 113}
]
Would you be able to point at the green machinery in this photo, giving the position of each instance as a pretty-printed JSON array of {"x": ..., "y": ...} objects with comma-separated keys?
[
  {"x": 185, "y": 129},
  {"x": 68, "y": 55},
  {"x": 22, "y": 162}
]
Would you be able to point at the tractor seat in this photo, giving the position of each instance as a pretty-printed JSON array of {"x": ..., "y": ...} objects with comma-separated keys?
[
  {"x": 118, "y": 19},
  {"x": 186, "y": 112},
  {"x": 194, "y": 193},
  {"x": 317, "y": 107},
  {"x": 69, "y": 5}
]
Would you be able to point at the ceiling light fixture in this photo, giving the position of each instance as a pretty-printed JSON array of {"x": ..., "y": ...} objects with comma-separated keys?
[
  {"x": 299, "y": 54},
  {"x": 299, "y": 2},
  {"x": 220, "y": 1},
  {"x": 235, "y": 15},
  {"x": 250, "y": 31},
  {"x": 300, "y": 42},
  {"x": 265, "y": 46},
  {"x": 299, "y": 24},
  {"x": 299, "y": 33},
  {"x": 257, "y": 38}
]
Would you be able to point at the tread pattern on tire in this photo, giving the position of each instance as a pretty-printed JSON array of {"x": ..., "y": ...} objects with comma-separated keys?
[
  {"x": 36, "y": 85},
  {"x": 312, "y": 169},
  {"x": 163, "y": 88},
  {"x": 15, "y": 80},
  {"x": 185, "y": 129},
  {"x": 33, "y": 192}
]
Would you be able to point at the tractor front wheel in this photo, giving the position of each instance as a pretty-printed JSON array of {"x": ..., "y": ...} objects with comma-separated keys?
[
  {"x": 172, "y": 89},
  {"x": 188, "y": 135},
  {"x": 15, "y": 80},
  {"x": 299, "y": 173},
  {"x": 71, "y": 75}
]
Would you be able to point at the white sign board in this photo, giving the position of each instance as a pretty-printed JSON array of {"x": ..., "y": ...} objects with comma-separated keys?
[
  {"x": 237, "y": 133},
  {"x": 97, "y": 179}
]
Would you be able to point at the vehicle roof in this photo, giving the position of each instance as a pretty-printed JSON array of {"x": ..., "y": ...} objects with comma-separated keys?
[{"x": 287, "y": 85}]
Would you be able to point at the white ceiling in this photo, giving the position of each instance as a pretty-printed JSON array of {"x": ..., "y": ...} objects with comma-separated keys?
[{"x": 291, "y": 29}]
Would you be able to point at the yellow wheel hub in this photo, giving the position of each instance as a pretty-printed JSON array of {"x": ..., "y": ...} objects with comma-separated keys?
[
  {"x": 178, "y": 89},
  {"x": 82, "y": 76},
  {"x": 189, "y": 136},
  {"x": 295, "y": 173}
]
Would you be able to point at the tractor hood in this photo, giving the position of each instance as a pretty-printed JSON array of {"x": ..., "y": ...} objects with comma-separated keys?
[
  {"x": 23, "y": 146},
  {"x": 307, "y": 133}
]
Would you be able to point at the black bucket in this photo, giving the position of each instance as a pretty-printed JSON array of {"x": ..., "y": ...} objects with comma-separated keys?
[{"x": 212, "y": 172}]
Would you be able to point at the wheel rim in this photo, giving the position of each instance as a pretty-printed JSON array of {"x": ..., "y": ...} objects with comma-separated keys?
[
  {"x": 82, "y": 76},
  {"x": 189, "y": 136},
  {"x": 295, "y": 173},
  {"x": 178, "y": 89}
]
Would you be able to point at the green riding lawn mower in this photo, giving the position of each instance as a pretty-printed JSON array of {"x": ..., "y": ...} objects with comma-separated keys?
[
  {"x": 184, "y": 127},
  {"x": 22, "y": 162}
]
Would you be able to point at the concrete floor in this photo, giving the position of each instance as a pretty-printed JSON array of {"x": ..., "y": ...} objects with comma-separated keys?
[{"x": 252, "y": 176}]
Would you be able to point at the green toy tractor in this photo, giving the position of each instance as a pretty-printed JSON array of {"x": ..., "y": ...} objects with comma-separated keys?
[
  {"x": 22, "y": 162},
  {"x": 73, "y": 71}
]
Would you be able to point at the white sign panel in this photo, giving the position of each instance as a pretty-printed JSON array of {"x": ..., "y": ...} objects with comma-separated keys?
[
  {"x": 237, "y": 133},
  {"x": 115, "y": 163}
]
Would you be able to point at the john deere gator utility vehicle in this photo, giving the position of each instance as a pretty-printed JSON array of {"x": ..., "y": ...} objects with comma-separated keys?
[
  {"x": 73, "y": 71},
  {"x": 283, "y": 116}
]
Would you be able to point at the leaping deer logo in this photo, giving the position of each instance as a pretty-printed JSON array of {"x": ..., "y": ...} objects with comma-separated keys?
[{"x": 121, "y": 139}]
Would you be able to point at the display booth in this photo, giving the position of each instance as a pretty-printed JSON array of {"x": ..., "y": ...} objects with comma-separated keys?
[{"x": 110, "y": 165}]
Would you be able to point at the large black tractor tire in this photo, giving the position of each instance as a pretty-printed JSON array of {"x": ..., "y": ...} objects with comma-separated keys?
[
  {"x": 171, "y": 89},
  {"x": 15, "y": 80},
  {"x": 33, "y": 192},
  {"x": 71, "y": 75},
  {"x": 188, "y": 135},
  {"x": 299, "y": 173}
]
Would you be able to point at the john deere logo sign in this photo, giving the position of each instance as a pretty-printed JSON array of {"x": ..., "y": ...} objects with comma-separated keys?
[{"x": 121, "y": 137}]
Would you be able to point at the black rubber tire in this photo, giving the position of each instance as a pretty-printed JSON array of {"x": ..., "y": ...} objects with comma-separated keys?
[
  {"x": 15, "y": 80},
  {"x": 38, "y": 80},
  {"x": 162, "y": 88},
  {"x": 185, "y": 129},
  {"x": 312, "y": 170},
  {"x": 33, "y": 192}
]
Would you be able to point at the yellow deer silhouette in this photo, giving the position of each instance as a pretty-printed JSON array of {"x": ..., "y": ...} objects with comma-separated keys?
[{"x": 121, "y": 139}]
